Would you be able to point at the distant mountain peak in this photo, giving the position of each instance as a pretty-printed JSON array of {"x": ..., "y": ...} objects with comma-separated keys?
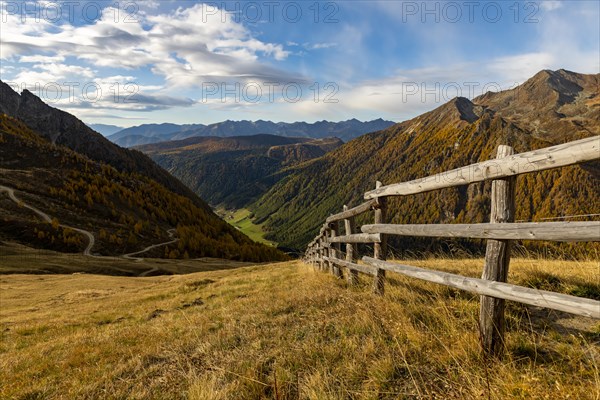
[
  {"x": 551, "y": 104},
  {"x": 467, "y": 109},
  {"x": 561, "y": 81},
  {"x": 527, "y": 117},
  {"x": 457, "y": 109},
  {"x": 61, "y": 128}
]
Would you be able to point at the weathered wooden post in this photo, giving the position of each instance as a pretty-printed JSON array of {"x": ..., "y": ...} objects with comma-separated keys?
[
  {"x": 351, "y": 254},
  {"x": 321, "y": 253},
  {"x": 497, "y": 259},
  {"x": 335, "y": 249},
  {"x": 380, "y": 249},
  {"x": 327, "y": 249}
]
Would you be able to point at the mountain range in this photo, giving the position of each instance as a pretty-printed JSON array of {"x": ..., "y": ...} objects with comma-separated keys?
[
  {"x": 550, "y": 108},
  {"x": 71, "y": 190},
  {"x": 291, "y": 197},
  {"x": 154, "y": 133},
  {"x": 289, "y": 183}
]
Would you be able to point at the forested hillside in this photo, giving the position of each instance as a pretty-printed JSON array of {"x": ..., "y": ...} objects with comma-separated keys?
[
  {"x": 550, "y": 108},
  {"x": 125, "y": 211},
  {"x": 233, "y": 172}
]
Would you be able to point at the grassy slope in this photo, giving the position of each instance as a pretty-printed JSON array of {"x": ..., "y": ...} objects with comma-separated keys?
[
  {"x": 242, "y": 221},
  {"x": 284, "y": 331},
  {"x": 18, "y": 259}
]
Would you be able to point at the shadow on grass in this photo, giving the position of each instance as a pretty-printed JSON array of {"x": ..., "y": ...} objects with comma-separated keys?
[{"x": 22, "y": 260}]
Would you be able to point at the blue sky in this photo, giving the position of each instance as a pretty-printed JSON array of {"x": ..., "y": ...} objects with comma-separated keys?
[{"x": 129, "y": 63}]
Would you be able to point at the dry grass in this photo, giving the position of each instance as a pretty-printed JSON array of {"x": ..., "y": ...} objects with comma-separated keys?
[
  {"x": 284, "y": 331},
  {"x": 19, "y": 259}
]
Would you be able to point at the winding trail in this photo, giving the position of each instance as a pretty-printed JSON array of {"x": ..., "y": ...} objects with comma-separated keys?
[
  {"x": 88, "y": 234},
  {"x": 129, "y": 256},
  {"x": 47, "y": 218}
]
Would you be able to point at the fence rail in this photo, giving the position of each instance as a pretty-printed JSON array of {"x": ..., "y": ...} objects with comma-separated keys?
[
  {"x": 360, "y": 209},
  {"x": 554, "y": 231},
  {"x": 534, "y": 297},
  {"x": 323, "y": 251},
  {"x": 367, "y": 237},
  {"x": 533, "y": 161}
]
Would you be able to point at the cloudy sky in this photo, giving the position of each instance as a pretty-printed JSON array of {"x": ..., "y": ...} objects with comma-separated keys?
[{"x": 129, "y": 63}]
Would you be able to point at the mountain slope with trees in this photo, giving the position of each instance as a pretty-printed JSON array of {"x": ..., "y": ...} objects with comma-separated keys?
[
  {"x": 550, "y": 108},
  {"x": 233, "y": 172},
  {"x": 125, "y": 211},
  {"x": 62, "y": 128}
]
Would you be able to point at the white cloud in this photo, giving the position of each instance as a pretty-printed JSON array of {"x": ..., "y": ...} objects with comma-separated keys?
[
  {"x": 550, "y": 5},
  {"x": 408, "y": 93},
  {"x": 184, "y": 46},
  {"x": 51, "y": 75},
  {"x": 41, "y": 59},
  {"x": 150, "y": 4},
  {"x": 317, "y": 46},
  {"x": 574, "y": 49}
]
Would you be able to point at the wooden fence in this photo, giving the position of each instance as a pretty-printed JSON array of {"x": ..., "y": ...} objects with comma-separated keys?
[{"x": 324, "y": 251}]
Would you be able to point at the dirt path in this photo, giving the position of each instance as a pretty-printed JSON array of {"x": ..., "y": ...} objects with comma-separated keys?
[
  {"x": 129, "y": 256},
  {"x": 47, "y": 218},
  {"x": 11, "y": 195},
  {"x": 89, "y": 235}
]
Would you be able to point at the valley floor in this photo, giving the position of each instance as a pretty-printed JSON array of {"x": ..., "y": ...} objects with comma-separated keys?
[
  {"x": 242, "y": 221},
  {"x": 285, "y": 331}
]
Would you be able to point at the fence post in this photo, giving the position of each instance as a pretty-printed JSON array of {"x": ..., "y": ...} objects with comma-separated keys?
[
  {"x": 327, "y": 250},
  {"x": 351, "y": 252},
  {"x": 380, "y": 249},
  {"x": 497, "y": 259},
  {"x": 321, "y": 263},
  {"x": 334, "y": 250}
]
